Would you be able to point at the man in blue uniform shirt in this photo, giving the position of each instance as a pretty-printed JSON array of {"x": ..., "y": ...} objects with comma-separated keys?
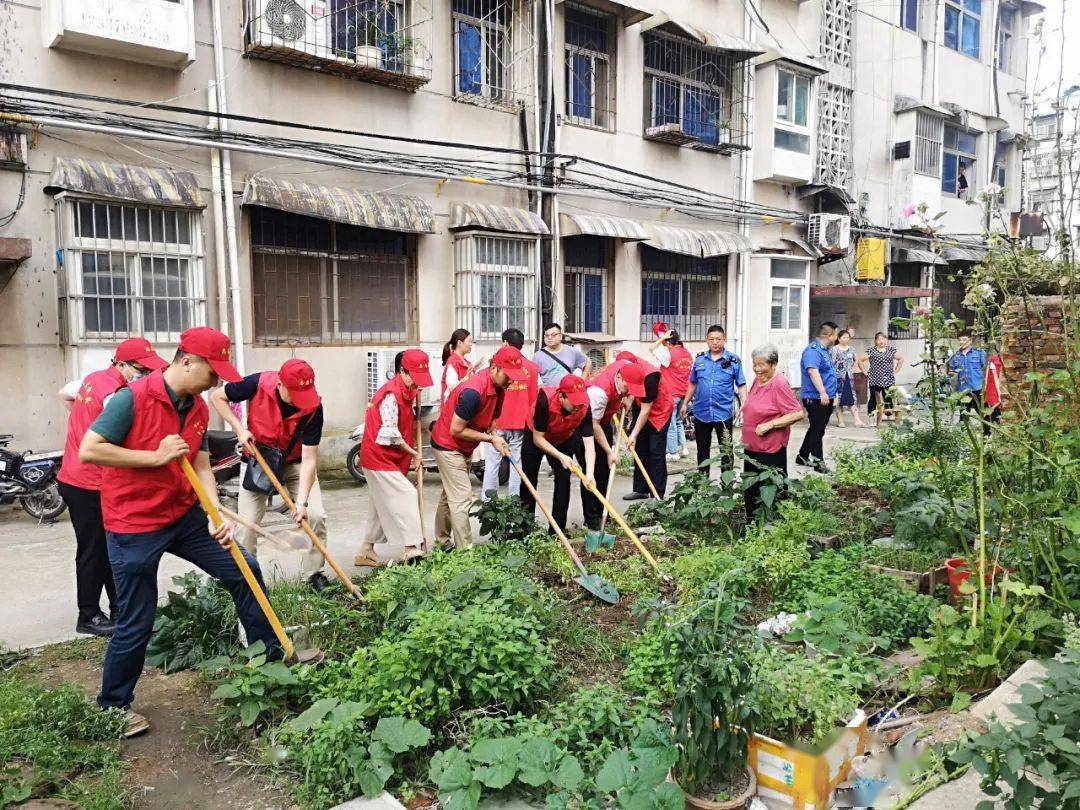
[
  {"x": 968, "y": 368},
  {"x": 818, "y": 391},
  {"x": 715, "y": 378}
]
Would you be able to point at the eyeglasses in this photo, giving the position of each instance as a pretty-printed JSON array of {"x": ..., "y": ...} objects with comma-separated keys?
[{"x": 552, "y": 334}]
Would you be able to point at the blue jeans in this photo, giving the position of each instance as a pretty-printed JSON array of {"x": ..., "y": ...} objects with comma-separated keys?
[
  {"x": 134, "y": 559},
  {"x": 676, "y": 432}
]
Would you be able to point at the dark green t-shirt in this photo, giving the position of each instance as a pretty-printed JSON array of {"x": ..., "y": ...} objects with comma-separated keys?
[{"x": 115, "y": 420}]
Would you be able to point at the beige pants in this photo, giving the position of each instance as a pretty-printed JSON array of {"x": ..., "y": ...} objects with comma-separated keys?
[
  {"x": 452, "y": 516},
  {"x": 392, "y": 526},
  {"x": 252, "y": 505}
]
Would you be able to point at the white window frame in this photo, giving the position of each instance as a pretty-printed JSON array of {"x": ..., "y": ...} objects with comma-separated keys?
[
  {"x": 971, "y": 158},
  {"x": 788, "y": 286},
  {"x": 963, "y": 11},
  {"x": 602, "y": 112},
  {"x": 788, "y": 122},
  {"x": 502, "y": 34},
  {"x": 1045, "y": 128},
  {"x": 468, "y": 286},
  {"x": 1004, "y": 51},
  {"x": 72, "y": 294},
  {"x": 929, "y": 136}
]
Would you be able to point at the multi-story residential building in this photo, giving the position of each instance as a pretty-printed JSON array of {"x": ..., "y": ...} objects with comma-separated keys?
[{"x": 1052, "y": 166}]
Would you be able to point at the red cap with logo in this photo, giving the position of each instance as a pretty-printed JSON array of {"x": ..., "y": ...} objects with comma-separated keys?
[
  {"x": 634, "y": 377},
  {"x": 573, "y": 388},
  {"x": 139, "y": 350},
  {"x": 659, "y": 328},
  {"x": 213, "y": 347},
  {"x": 510, "y": 360},
  {"x": 629, "y": 357},
  {"x": 299, "y": 378},
  {"x": 417, "y": 363}
]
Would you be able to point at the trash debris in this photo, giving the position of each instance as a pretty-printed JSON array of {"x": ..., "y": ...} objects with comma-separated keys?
[{"x": 778, "y": 625}]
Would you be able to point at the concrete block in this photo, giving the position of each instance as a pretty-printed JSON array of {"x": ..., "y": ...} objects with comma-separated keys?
[
  {"x": 961, "y": 794},
  {"x": 997, "y": 702},
  {"x": 383, "y": 801}
]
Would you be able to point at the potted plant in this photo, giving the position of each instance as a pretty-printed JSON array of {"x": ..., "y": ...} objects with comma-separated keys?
[
  {"x": 715, "y": 710},
  {"x": 724, "y": 132},
  {"x": 368, "y": 51}
]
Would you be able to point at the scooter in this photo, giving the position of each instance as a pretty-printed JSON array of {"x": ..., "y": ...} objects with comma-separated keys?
[
  {"x": 226, "y": 464},
  {"x": 29, "y": 479}
]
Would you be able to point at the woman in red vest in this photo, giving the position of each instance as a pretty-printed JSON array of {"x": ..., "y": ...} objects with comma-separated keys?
[
  {"x": 80, "y": 484},
  {"x": 675, "y": 364},
  {"x": 517, "y": 405},
  {"x": 455, "y": 367},
  {"x": 558, "y": 426},
  {"x": 466, "y": 420},
  {"x": 653, "y": 407},
  {"x": 285, "y": 414},
  {"x": 392, "y": 530},
  {"x": 149, "y": 507},
  {"x": 607, "y": 400}
]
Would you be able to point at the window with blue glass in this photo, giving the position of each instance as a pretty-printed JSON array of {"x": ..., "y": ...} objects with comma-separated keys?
[
  {"x": 957, "y": 161},
  {"x": 588, "y": 264},
  {"x": 589, "y": 56},
  {"x": 909, "y": 15},
  {"x": 481, "y": 48},
  {"x": 963, "y": 20},
  {"x": 359, "y": 25},
  {"x": 685, "y": 292}
]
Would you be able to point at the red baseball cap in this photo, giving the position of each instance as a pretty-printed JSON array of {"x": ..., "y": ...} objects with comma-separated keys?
[
  {"x": 573, "y": 388},
  {"x": 510, "y": 360},
  {"x": 659, "y": 328},
  {"x": 299, "y": 378},
  {"x": 634, "y": 377},
  {"x": 417, "y": 363},
  {"x": 629, "y": 357},
  {"x": 213, "y": 347},
  {"x": 139, "y": 350}
]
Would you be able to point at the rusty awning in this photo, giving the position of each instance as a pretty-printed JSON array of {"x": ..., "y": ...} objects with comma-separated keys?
[
  {"x": 601, "y": 225},
  {"x": 351, "y": 206},
  {"x": 496, "y": 218},
  {"x": 125, "y": 183},
  {"x": 871, "y": 291}
]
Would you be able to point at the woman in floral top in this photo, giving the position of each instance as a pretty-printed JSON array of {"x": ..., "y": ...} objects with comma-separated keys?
[{"x": 843, "y": 356}]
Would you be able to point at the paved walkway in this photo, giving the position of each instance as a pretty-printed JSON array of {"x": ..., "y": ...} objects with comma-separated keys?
[{"x": 37, "y": 578}]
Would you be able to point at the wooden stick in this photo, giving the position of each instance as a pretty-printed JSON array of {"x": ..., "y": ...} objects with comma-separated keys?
[
  {"x": 273, "y": 540},
  {"x": 420, "y": 477},
  {"x": 640, "y": 463},
  {"x": 315, "y": 541},
  {"x": 589, "y": 485},
  {"x": 611, "y": 473},
  {"x": 550, "y": 518},
  {"x": 241, "y": 562}
]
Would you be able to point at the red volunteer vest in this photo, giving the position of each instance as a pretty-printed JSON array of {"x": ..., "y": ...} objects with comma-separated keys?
[
  {"x": 676, "y": 374},
  {"x": 375, "y": 456},
  {"x": 88, "y": 405},
  {"x": 459, "y": 364},
  {"x": 561, "y": 425},
  {"x": 663, "y": 405},
  {"x": 605, "y": 381},
  {"x": 151, "y": 498},
  {"x": 265, "y": 421},
  {"x": 519, "y": 399},
  {"x": 485, "y": 417}
]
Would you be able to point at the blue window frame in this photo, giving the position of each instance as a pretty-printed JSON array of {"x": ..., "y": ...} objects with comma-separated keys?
[
  {"x": 588, "y": 266},
  {"x": 683, "y": 291},
  {"x": 369, "y": 22},
  {"x": 702, "y": 114},
  {"x": 963, "y": 20}
]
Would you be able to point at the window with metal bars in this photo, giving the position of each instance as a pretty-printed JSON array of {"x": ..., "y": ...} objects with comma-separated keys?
[
  {"x": 587, "y": 261},
  {"x": 317, "y": 282},
  {"x": 903, "y": 275},
  {"x": 834, "y": 135},
  {"x": 590, "y": 55},
  {"x": 836, "y": 32},
  {"x": 495, "y": 284},
  {"x": 483, "y": 50},
  {"x": 129, "y": 270},
  {"x": 684, "y": 292},
  {"x": 929, "y": 131}
]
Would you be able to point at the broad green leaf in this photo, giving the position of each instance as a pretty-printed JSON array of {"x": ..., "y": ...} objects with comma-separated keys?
[
  {"x": 466, "y": 798},
  {"x": 249, "y": 712},
  {"x": 344, "y": 712},
  {"x": 669, "y": 796},
  {"x": 615, "y": 773},
  {"x": 313, "y": 715},
  {"x": 960, "y": 701},
  {"x": 450, "y": 770},
  {"x": 986, "y": 660},
  {"x": 374, "y": 776},
  {"x": 569, "y": 774},
  {"x": 225, "y": 691},
  {"x": 499, "y": 758},
  {"x": 537, "y": 761},
  {"x": 400, "y": 734}
]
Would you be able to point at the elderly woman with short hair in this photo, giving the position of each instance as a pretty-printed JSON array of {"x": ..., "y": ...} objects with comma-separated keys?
[{"x": 768, "y": 414}]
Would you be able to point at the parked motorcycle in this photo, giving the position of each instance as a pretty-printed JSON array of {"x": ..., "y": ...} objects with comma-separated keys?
[{"x": 29, "y": 479}]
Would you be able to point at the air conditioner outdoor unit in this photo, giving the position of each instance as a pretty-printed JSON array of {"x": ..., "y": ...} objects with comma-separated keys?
[
  {"x": 301, "y": 26},
  {"x": 830, "y": 233}
]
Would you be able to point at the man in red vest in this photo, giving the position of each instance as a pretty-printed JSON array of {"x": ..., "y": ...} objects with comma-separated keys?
[
  {"x": 392, "y": 530},
  {"x": 517, "y": 405},
  {"x": 607, "y": 398},
  {"x": 558, "y": 426},
  {"x": 80, "y": 484},
  {"x": 466, "y": 419},
  {"x": 285, "y": 414},
  {"x": 653, "y": 407},
  {"x": 149, "y": 507}
]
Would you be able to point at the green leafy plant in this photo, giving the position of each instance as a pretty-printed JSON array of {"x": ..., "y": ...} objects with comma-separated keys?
[
  {"x": 1038, "y": 758},
  {"x": 829, "y": 627},
  {"x": 696, "y": 506},
  {"x": 196, "y": 623},
  {"x": 636, "y": 779},
  {"x": 704, "y": 565},
  {"x": 632, "y": 576},
  {"x": 250, "y": 688},
  {"x": 504, "y": 520},
  {"x": 594, "y": 721},
  {"x": 1072, "y": 632},
  {"x": 650, "y": 669}
]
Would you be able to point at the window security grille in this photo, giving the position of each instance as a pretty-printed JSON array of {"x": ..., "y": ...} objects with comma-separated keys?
[
  {"x": 694, "y": 94},
  {"x": 495, "y": 285},
  {"x": 590, "y": 80},
  {"x": 317, "y": 282},
  {"x": 684, "y": 292},
  {"x": 903, "y": 275},
  {"x": 836, "y": 32},
  {"x": 834, "y": 135},
  {"x": 492, "y": 47},
  {"x": 928, "y": 135},
  {"x": 129, "y": 270},
  {"x": 586, "y": 284}
]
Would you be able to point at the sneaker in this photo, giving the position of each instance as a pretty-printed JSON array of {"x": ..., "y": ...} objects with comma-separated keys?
[
  {"x": 98, "y": 625},
  {"x": 685, "y": 452},
  {"x": 802, "y": 462},
  {"x": 635, "y": 496},
  {"x": 136, "y": 724},
  {"x": 672, "y": 456},
  {"x": 318, "y": 582}
]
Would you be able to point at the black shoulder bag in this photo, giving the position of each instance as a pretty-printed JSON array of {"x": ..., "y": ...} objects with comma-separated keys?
[
  {"x": 557, "y": 360},
  {"x": 255, "y": 477}
]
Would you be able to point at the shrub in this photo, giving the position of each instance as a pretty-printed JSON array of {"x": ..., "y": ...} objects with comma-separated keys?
[
  {"x": 696, "y": 505},
  {"x": 632, "y": 576},
  {"x": 594, "y": 721},
  {"x": 195, "y": 624},
  {"x": 504, "y": 520},
  {"x": 650, "y": 670},
  {"x": 705, "y": 565},
  {"x": 250, "y": 688}
]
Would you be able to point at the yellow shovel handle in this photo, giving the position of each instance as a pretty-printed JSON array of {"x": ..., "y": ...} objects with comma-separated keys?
[
  {"x": 241, "y": 562},
  {"x": 547, "y": 513},
  {"x": 589, "y": 485},
  {"x": 640, "y": 464}
]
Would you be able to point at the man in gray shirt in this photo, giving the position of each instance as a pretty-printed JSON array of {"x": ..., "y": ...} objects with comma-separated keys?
[{"x": 557, "y": 360}]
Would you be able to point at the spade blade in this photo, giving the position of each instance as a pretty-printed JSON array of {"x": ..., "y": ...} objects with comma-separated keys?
[{"x": 598, "y": 587}]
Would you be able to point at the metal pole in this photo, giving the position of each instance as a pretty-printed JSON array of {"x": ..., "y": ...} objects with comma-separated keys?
[{"x": 220, "y": 262}]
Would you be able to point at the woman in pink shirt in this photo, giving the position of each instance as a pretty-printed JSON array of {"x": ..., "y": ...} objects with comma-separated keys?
[{"x": 768, "y": 414}]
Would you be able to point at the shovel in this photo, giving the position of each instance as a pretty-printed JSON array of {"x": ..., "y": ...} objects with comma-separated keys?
[
  {"x": 426, "y": 545},
  {"x": 594, "y": 584},
  {"x": 595, "y": 540},
  {"x": 314, "y": 538},
  {"x": 589, "y": 485},
  {"x": 280, "y": 543},
  {"x": 640, "y": 464},
  {"x": 304, "y": 656}
]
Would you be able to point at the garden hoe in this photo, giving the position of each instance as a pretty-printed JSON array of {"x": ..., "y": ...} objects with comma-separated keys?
[
  {"x": 594, "y": 584},
  {"x": 640, "y": 464},
  {"x": 306, "y": 656},
  {"x": 315, "y": 541},
  {"x": 589, "y": 485},
  {"x": 602, "y": 539}
]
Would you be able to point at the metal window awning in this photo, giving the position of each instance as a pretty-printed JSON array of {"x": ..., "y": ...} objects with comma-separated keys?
[
  {"x": 903, "y": 255},
  {"x": 13, "y": 252},
  {"x": 496, "y": 218},
  {"x": 704, "y": 244},
  {"x": 662, "y": 21},
  {"x": 124, "y": 183},
  {"x": 593, "y": 338},
  {"x": 905, "y": 103},
  {"x": 803, "y": 245},
  {"x": 629, "y": 13},
  {"x": 597, "y": 225},
  {"x": 963, "y": 254},
  {"x": 871, "y": 291},
  {"x": 366, "y": 209},
  {"x": 806, "y": 64}
]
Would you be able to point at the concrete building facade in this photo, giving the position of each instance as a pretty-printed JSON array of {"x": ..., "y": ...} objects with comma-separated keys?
[{"x": 1052, "y": 168}]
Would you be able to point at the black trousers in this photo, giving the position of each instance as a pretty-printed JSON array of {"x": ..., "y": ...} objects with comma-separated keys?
[
  {"x": 92, "y": 569},
  {"x": 652, "y": 449},
  {"x": 531, "y": 458},
  {"x": 703, "y": 433},
  {"x": 819, "y": 420},
  {"x": 754, "y": 463},
  {"x": 591, "y": 508}
]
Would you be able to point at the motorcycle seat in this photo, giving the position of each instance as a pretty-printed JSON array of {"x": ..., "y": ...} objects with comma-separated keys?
[{"x": 221, "y": 443}]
